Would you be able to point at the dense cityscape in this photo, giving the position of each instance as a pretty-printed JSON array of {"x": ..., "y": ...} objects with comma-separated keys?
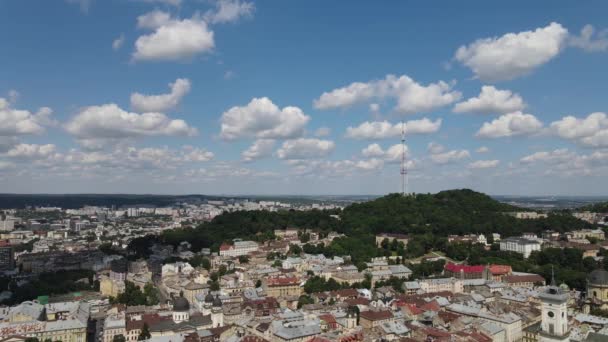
[
  {"x": 305, "y": 272},
  {"x": 303, "y": 171}
]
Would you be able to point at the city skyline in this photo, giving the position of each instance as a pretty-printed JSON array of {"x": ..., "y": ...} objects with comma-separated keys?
[{"x": 243, "y": 97}]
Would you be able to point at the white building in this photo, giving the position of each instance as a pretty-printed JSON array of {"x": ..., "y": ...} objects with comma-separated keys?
[
  {"x": 519, "y": 245},
  {"x": 554, "y": 324},
  {"x": 441, "y": 284},
  {"x": 238, "y": 248}
]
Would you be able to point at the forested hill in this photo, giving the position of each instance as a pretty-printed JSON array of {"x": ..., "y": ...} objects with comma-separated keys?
[
  {"x": 452, "y": 211},
  {"x": 441, "y": 214},
  {"x": 601, "y": 207}
]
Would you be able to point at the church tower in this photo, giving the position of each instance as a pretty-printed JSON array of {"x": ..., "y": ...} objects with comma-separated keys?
[
  {"x": 217, "y": 314},
  {"x": 554, "y": 325}
]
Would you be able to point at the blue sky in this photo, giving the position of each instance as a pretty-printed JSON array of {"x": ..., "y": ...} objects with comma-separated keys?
[{"x": 246, "y": 97}]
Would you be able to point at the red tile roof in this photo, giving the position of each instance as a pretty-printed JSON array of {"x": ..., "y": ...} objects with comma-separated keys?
[
  {"x": 282, "y": 281},
  {"x": 463, "y": 268}
]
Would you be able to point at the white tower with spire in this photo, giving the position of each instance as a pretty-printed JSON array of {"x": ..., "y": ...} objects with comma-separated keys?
[
  {"x": 403, "y": 170},
  {"x": 554, "y": 319}
]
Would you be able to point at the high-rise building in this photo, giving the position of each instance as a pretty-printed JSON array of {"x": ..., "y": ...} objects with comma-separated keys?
[{"x": 7, "y": 257}]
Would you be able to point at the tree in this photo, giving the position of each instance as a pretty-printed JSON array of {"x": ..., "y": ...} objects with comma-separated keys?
[
  {"x": 119, "y": 338},
  {"x": 145, "y": 333},
  {"x": 243, "y": 259}
]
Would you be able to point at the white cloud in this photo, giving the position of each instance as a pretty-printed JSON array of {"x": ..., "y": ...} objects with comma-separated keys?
[
  {"x": 109, "y": 121},
  {"x": 305, "y": 148},
  {"x": 196, "y": 154},
  {"x": 172, "y": 39},
  {"x": 484, "y": 164},
  {"x": 590, "y": 131},
  {"x": 153, "y": 20},
  {"x": 322, "y": 132},
  {"x": 226, "y": 11},
  {"x": 450, "y": 156},
  {"x": 260, "y": 148},
  {"x": 587, "y": 42},
  {"x": 14, "y": 122},
  {"x": 394, "y": 153},
  {"x": 514, "y": 54},
  {"x": 370, "y": 164},
  {"x": 373, "y": 150},
  {"x": 262, "y": 119},
  {"x": 164, "y": 102},
  {"x": 490, "y": 101},
  {"x": 508, "y": 125},
  {"x": 435, "y": 148},
  {"x": 384, "y": 130},
  {"x": 31, "y": 151},
  {"x": 559, "y": 155},
  {"x": 411, "y": 97},
  {"x": 118, "y": 42},
  {"x": 482, "y": 149}
]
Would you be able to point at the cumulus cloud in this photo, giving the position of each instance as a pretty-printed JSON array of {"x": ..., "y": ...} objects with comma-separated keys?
[
  {"x": 372, "y": 150},
  {"x": 591, "y": 131},
  {"x": 588, "y": 42},
  {"x": 109, "y": 121},
  {"x": 305, "y": 148},
  {"x": 484, "y": 164},
  {"x": 226, "y": 11},
  {"x": 490, "y": 101},
  {"x": 14, "y": 122},
  {"x": 262, "y": 119},
  {"x": 410, "y": 96},
  {"x": 383, "y": 129},
  {"x": 164, "y": 102},
  {"x": 508, "y": 125},
  {"x": 31, "y": 151},
  {"x": 559, "y": 155},
  {"x": 118, "y": 42},
  {"x": 435, "y": 148},
  {"x": 153, "y": 20},
  {"x": 391, "y": 155},
  {"x": 260, "y": 148},
  {"x": 482, "y": 149},
  {"x": 513, "y": 54},
  {"x": 450, "y": 156},
  {"x": 196, "y": 154},
  {"x": 172, "y": 38},
  {"x": 370, "y": 164}
]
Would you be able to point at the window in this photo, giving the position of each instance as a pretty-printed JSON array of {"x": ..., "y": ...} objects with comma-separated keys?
[{"x": 550, "y": 314}]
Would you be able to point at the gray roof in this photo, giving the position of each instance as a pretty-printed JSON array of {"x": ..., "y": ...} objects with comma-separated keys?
[{"x": 598, "y": 277}]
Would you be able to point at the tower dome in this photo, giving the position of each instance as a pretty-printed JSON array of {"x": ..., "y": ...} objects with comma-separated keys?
[
  {"x": 598, "y": 277},
  {"x": 181, "y": 304},
  {"x": 209, "y": 298},
  {"x": 217, "y": 302}
]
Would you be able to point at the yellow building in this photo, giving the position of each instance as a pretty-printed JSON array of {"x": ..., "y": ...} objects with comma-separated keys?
[
  {"x": 110, "y": 287},
  {"x": 597, "y": 289},
  {"x": 282, "y": 286}
]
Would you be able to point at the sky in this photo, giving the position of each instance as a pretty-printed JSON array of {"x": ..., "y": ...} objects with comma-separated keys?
[{"x": 303, "y": 97}]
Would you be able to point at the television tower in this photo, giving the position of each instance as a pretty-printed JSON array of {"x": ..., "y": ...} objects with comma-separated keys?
[{"x": 403, "y": 170}]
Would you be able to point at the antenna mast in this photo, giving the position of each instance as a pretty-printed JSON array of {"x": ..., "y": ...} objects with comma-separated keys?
[{"x": 403, "y": 170}]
